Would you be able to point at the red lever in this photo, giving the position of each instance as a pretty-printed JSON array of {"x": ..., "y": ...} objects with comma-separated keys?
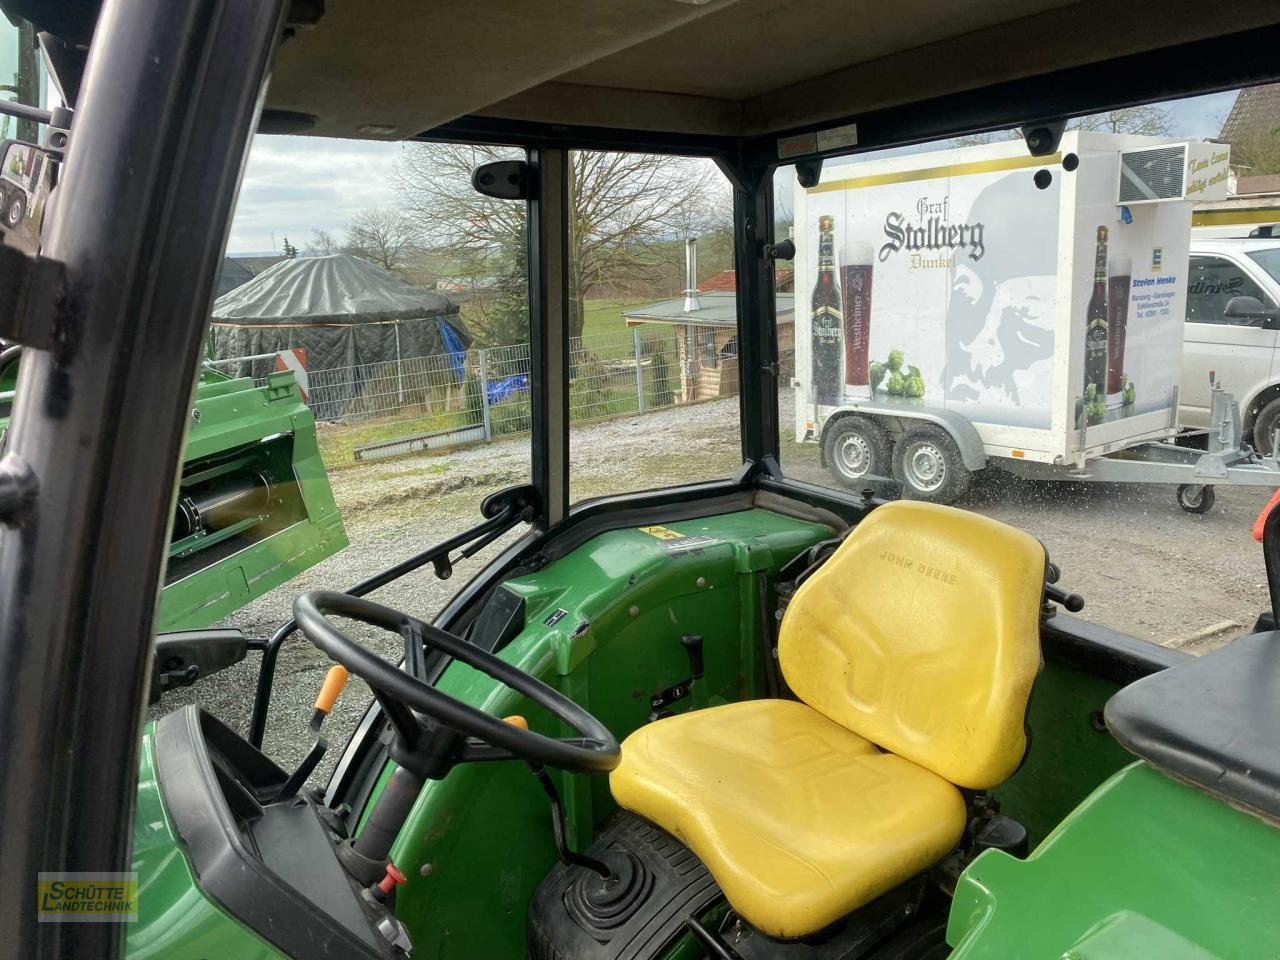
[{"x": 393, "y": 879}]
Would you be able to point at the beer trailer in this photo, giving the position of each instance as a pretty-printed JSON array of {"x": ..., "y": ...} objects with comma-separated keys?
[{"x": 980, "y": 307}]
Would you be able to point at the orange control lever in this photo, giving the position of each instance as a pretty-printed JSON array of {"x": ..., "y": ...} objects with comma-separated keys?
[
  {"x": 334, "y": 681},
  {"x": 517, "y": 721}
]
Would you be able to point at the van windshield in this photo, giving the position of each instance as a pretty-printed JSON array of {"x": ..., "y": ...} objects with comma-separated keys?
[{"x": 1269, "y": 260}]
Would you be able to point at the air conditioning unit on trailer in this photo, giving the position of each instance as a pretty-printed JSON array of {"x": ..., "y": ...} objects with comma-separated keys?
[{"x": 1177, "y": 171}]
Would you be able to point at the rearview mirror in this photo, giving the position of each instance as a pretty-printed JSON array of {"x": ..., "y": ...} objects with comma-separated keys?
[
  {"x": 1250, "y": 308},
  {"x": 185, "y": 656},
  {"x": 25, "y": 180}
]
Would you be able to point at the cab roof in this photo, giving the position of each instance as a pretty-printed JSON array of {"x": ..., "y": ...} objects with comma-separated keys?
[
  {"x": 735, "y": 68},
  {"x": 729, "y": 69}
]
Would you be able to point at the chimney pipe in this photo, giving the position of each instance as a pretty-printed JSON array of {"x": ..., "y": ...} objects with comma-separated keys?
[{"x": 691, "y": 275}]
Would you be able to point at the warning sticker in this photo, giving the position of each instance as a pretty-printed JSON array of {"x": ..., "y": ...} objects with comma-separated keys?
[
  {"x": 662, "y": 533},
  {"x": 680, "y": 547}
]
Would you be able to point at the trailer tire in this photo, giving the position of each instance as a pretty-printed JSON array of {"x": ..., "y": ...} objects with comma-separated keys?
[
  {"x": 856, "y": 448},
  {"x": 928, "y": 464},
  {"x": 15, "y": 205},
  {"x": 1196, "y": 498}
]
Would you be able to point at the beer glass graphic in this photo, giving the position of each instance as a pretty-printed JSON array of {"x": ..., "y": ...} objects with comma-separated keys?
[
  {"x": 855, "y": 285},
  {"x": 1120, "y": 278}
]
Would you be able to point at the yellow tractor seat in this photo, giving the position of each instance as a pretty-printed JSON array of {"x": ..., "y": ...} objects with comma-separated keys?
[{"x": 913, "y": 649}]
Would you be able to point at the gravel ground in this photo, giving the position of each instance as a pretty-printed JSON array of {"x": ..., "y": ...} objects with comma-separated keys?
[{"x": 1143, "y": 565}]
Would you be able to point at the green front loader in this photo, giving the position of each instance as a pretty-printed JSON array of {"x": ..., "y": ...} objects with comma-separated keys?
[{"x": 254, "y": 507}]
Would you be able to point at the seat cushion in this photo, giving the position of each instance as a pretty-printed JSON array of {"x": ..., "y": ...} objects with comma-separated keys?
[
  {"x": 799, "y": 820},
  {"x": 922, "y": 634},
  {"x": 1213, "y": 721}
]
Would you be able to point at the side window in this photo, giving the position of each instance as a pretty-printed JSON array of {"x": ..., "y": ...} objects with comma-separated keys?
[
  {"x": 653, "y": 392},
  {"x": 366, "y": 386},
  {"x": 969, "y": 325},
  {"x": 1212, "y": 282}
]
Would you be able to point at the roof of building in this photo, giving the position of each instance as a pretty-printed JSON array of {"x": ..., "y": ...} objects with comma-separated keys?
[
  {"x": 726, "y": 281},
  {"x": 1263, "y": 183},
  {"x": 337, "y": 289},
  {"x": 233, "y": 274},
  {"x": 1255, "y": 107},
  {"x": 715, "y": 309}
]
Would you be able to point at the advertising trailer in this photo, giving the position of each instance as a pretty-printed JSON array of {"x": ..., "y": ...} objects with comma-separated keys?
[{"x": 984, "y": 305}]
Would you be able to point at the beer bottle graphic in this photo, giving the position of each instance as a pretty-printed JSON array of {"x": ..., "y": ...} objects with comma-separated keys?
[
  {"x": 1095, "y": 337},
  {"x": 855, "y": 287},
  {"x": 1119, "y": 279},
  {"x": 826, "y": 319}
]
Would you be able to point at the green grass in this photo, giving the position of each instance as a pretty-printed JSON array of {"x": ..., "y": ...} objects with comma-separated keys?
[
  {"x": 602, "y": 317},
  {"x": 599, "y": 391},
  {"x": 338, "y": 443}
]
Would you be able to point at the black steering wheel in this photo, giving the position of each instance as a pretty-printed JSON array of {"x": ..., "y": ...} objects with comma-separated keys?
[{"x": 399, "y": 692}]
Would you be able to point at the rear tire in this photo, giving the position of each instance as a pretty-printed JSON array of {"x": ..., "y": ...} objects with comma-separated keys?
[
  {"x": 856, "y": 448},
  {"x": 1264, "y": 426},
  {"x": 928, "y": 464},
  {"x": 1196, "y": 498}
]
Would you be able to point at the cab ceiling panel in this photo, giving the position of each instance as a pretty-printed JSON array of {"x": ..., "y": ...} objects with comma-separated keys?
[
  {"x": 411, "y": 65},
  {"x": 757, "y": 46},
  {"x": 741, "y": 68}
]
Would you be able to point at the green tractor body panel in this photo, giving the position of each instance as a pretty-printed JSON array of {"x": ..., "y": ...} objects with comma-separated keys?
[
  {"x": 1145, "y": 867},
  {"x": 258, "y": 443},
  {"x": 1071, "y": 752},
  {"x": 176, "y": 921},
  {"x": 254, "y": 505}
]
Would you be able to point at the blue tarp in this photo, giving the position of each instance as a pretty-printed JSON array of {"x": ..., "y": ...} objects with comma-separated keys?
[
  {"x": 456, "y": 347},
  {"x": 500, "y": 390}
]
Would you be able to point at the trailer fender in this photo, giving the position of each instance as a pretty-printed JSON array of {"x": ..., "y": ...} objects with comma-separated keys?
[{"x": 897, "y": 420}]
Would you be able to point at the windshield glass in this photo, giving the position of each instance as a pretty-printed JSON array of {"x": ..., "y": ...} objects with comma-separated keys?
[{"x": 1269, "y": 260}]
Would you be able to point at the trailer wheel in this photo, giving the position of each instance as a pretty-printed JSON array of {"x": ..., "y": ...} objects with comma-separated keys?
[
  {"x": 1196, "y": 498},
  {"x": 14, "y": 207},
  {"x": 928, "y": 465},
  {"x": 856, "y": 448}
]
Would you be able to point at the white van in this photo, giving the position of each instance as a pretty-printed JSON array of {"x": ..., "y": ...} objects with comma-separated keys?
[{"x": 1233, "y": 321}]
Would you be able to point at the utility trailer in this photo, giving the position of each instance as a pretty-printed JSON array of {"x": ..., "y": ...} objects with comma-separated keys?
[{"x": 984, "y": 307}]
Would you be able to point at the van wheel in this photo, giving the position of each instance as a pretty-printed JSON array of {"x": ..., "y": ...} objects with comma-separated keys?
[
  {"x": 856, "y": 448},
  {"x": 1264, "y": 427},
  {"x": 1196, "y": 498},
  {"x": 928, "y": 465}
]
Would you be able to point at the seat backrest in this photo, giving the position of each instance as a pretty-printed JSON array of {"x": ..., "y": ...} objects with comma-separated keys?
[{"x": 921, "y": 634}]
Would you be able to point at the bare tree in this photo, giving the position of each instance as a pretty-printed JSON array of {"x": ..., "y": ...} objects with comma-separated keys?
[
  {"x": 1255, "y": 150},
  {"x": 1151, "y": 120},
  {"x": 321, "y": 244},
  {"x": 623, "y": 205},
  {"x": 383, "y": 236}
]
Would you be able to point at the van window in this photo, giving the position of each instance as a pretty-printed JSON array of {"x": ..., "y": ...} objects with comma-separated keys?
[
  {"x": 1212, "y": 282},
  {"x": 1268, "y": 260}
]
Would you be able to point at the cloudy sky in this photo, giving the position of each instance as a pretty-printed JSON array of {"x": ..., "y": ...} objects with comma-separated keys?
[{"x": 294, "y": 185}]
